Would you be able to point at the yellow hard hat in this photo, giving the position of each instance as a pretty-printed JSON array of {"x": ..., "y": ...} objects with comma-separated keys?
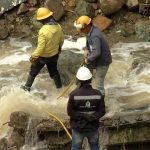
[
  {"x": 84, "y": 20},
  {"x": 43, "y": 13},
  {"x": 81, "y": 21}
]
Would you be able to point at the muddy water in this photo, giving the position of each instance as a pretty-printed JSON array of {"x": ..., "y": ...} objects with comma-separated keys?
[
  {"x": 128, "y": 79},
  {"x": 14, "y": 64},
  {"x": 127, "y": 82}
]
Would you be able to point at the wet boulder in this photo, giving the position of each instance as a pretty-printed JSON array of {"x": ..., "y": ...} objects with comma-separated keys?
[
  {"x": 16, "y": 134},
  {"x": 43, "y": 129},
  {"x": 52, "y": 132},
  {"x": 19, "y": 120},
  {"x": 68, "y": 64},
  {"x": 35, "y": 130}
]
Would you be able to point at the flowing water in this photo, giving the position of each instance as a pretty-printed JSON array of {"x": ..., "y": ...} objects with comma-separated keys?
[{"x": 127, "y": 82}]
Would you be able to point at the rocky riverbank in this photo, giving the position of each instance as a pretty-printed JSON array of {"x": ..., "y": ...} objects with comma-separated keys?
[{"x": 124, "y": 20}]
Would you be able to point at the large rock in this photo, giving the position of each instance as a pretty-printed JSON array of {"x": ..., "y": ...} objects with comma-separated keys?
[
  {"x": 6, "y": 5},
  {"x": 40, "y": 130},
  {"x": 68, "y": 64},
  {"x": 19, "y": 120},
  {"x": 142, "y": 29},
  {"x": 57, "y": 7},
  {"x": 109, "y": 7},
  {"x": 84, "y": 8}
]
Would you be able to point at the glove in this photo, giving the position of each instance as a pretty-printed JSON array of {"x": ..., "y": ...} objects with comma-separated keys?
[{"x": 32, "y": 60}]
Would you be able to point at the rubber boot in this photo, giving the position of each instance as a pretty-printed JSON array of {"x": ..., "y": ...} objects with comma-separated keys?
[
  {"x": 57, "y": 81},
  {"x": 27, "y": 86}
]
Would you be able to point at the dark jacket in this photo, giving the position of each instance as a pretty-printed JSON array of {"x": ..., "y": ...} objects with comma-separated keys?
[
  {"x": 85, "y": 107},
  {"x": 98, "y": 47}
]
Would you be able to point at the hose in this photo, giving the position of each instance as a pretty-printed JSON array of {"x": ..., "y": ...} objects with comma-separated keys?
[{"x": 55, "y": 117}]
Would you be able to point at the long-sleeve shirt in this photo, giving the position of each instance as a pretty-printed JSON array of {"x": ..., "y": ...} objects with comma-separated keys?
[
  {"x": 98, "y": 48},
  {"x": 50, "y": 40}
]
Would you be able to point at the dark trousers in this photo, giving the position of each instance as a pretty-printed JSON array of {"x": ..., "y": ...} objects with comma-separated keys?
[{"x": 51, "y": 64}]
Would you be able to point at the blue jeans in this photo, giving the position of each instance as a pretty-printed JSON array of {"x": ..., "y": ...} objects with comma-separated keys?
[{"x": 77, "y": 139}]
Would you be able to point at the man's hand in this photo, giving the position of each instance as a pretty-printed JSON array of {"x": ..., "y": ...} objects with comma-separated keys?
[
  {"x": 86, "y": 61},
  {"x": 86, "y": 52},
  {"x": 32, "y": 60}
]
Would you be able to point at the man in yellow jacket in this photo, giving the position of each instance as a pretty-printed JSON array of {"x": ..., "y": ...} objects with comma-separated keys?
[{"x": 50, "y": 41}]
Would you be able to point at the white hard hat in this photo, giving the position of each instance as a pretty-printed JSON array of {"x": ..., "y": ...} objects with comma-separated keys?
[{"x": 83, "y": 74}]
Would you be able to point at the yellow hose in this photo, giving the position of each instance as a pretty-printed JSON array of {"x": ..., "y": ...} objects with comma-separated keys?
[{"x": 52, "y": 115}]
